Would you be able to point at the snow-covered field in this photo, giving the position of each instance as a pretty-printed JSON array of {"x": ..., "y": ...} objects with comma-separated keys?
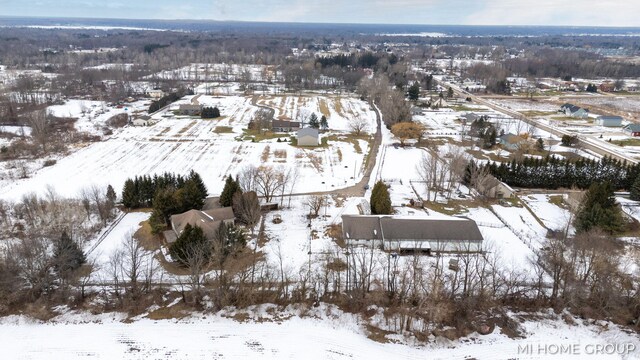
[
  {"x": 181, "y": 143},
  {"x": 325, "y": 333}
]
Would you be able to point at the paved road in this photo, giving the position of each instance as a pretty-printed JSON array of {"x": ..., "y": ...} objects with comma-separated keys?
[{"x": 584, "y": 142}]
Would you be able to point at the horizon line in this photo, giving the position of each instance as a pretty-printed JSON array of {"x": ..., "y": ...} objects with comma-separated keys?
[{"x": 307, "y": 22}]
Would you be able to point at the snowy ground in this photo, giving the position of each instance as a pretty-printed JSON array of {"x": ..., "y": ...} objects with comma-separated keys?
[
  {"x": 112, "y": 242},
  {"x": 326, "y": 333},
  {"x": 92, "y": 115}
]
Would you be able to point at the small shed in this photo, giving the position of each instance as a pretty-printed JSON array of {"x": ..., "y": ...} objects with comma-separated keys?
[{"x": 308, "y": 137}]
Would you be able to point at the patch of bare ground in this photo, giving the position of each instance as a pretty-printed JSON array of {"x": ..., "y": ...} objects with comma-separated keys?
[
  {"x": 187, "y": 128},
  {"x": 324, "y": 108},
  {"x": 280, "y": 156},
  {"x": 378, "y": 335},
  {"x": 178, "y": 311}
]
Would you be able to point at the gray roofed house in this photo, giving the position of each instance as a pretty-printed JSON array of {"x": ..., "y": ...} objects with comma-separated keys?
[
  {"x": 632, "y": 129},
  {"x": 609, "y": 121},
  {"x": 208, "y": 220},
  {"x": 190, "y": 109},
  {"x": 284, "y": 125},
  {"x": 471, "y": 117},
  {"x": 413, "y": 234},
  {"x": 574, "y": 111},
  {"x": 308, "y": 137},
  {"x": 511, "y": 141}
]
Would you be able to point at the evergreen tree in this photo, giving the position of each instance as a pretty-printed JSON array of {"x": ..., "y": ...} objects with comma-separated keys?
[
  {"x": 197, "y": 180},
  {"x": 449, "y": 93},
  {"x": 191, "y": 239},
  {"x": 634, "y": 192},
  {"x": 67, "y": 255},
  {"x": 414, "y": 91},
  {"x": 229, "y": 239},
  {"x": 215, "y": 112},
  {"x": 540, "y": 144},
  {"x": 111, "y": 196},
  {"x": 380, "y": 200},
  {"x": 324, "y": 124},
  {"x": 188, "y": 198},
  {"x": 231, "y": 187},
  {"x": 164, "y": 204},
  {"x": 129, "y": 195},
  {"x": 599, "y": 210},
  {"x": 313, "y": 121}
]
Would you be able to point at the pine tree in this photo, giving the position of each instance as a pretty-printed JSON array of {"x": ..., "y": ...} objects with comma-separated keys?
[
  {"x": 380, "y": 200},
  {"x": 202, "y": 188},
  {"x": 449, "y": 93},
  {"x": 540, "y": 144},
  {"x": 191, "y": 239},
  {"x": 231, "y": 187},
  {"x": 111, "y": 195},
  {"x": 215, "y": 112},
  {"x": 188, "y": 197},
  {"x": 129, "y": 195},
  {"x": 313, "y": 121},
  {"x": 634, "y": 192},
  {"x": 324, "y": 124},
  {"x": 414, "y": 91},
  {"x": 67, "y": 255},
  {"x": 599, "y": 210}
]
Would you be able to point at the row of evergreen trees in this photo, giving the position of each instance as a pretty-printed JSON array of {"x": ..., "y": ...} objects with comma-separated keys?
[
  {"x": 552, "y": 172},
  {"x": 141, "y": 190},
  {"x": 168, "y": 99},
  {"x": 210, "y": 113}
]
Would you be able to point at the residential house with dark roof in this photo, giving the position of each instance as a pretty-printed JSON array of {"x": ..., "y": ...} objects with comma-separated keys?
[
  {"x": 284, "y": 126},
  {"x": 574, "y": 111},
  {"x": 407, "y": 234},
  {"x": 208, "y": 220},
  {"x": 632, "y": 129},
  {"x": 512, "y": 142},
  {"x": 190, "y": 109}
]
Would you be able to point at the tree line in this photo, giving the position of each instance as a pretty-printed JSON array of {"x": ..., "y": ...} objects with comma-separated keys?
[{"x": 552, "y": 172}]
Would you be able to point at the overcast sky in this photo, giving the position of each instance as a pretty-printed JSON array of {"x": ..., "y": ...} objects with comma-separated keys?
[{"x": 465, "y": 12}]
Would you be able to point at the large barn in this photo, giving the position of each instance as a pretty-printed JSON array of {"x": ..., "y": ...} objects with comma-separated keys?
[{"x": 408, "y": 234}]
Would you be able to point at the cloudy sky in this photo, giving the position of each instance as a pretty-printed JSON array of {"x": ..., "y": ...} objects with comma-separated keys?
[{"x": 473, "y": 12}]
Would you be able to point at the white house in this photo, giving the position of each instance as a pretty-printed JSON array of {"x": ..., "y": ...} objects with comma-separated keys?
[
  {"x": 308, "y": 137},
  {"x": 155, "y": 93},
  {"x": 143, "y": 120}
]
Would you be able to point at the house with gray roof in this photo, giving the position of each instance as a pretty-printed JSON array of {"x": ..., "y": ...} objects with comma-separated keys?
[
  {"x": 284, "y": 125},
  {"x": 632, "y": 129},
  {"x": 574, "y": 111},
  {"x": 609, "y": 121},
  {"x": 208, "y": 220},
  {"x": 190, "y": 109},
  {"x": 411, "y": 234}
]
